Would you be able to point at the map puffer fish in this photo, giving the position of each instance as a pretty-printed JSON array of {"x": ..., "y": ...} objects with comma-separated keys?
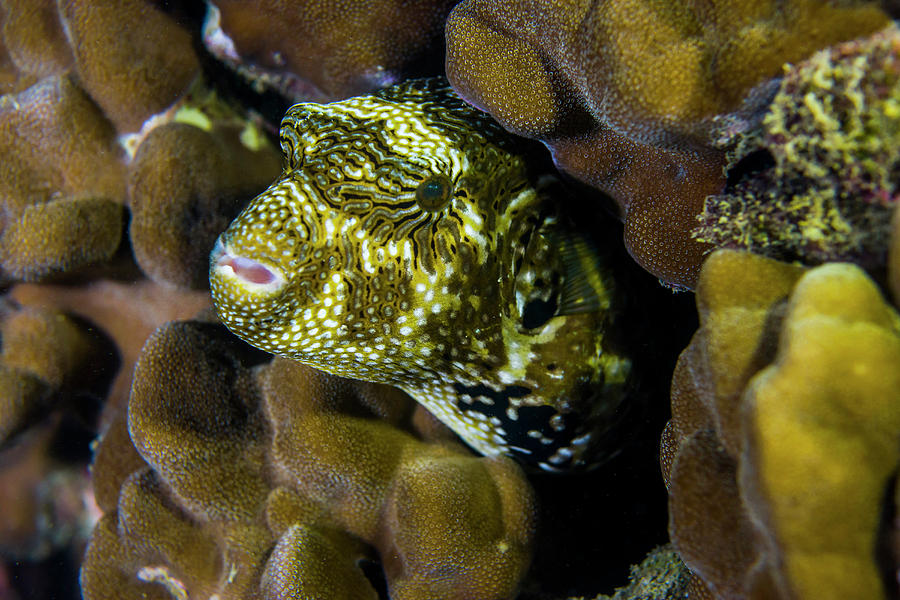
[{"x": 408, "y": 242}]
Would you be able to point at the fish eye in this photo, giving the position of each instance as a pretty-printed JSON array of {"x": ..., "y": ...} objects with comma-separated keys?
[{"x": 433, "y": 194}]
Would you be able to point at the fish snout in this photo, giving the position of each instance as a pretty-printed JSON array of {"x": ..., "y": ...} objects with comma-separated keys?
[{"x": 247, "y": 273}]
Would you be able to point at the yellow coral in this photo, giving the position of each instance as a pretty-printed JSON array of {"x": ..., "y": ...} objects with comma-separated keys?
[
  {"x": 822, "y": 427},
  {"x": 278, "y": 479},
  {"x": 786, "y": 415},
  {"x": 894, "y": 256}
]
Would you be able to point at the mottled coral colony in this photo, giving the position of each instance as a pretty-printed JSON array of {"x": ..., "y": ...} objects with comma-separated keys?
[{"x": 498, "y": 238}]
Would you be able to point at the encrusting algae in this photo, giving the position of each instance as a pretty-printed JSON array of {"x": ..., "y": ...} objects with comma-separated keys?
[
  {"x": 829, "y": 148},
  {"x": 406, "y": 243}
]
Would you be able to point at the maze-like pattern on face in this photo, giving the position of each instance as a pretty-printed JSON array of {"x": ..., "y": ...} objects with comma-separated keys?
[{"x": 403, "y": 244}]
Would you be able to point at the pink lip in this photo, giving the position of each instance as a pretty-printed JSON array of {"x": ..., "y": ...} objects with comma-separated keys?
[{"x": 246, "y": 269}]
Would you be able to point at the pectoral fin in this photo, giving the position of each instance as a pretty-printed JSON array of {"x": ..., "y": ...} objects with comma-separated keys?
[{"x": 584, "y": 286}]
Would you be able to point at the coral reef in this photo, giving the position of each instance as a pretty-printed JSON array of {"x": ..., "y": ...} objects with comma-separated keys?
[
  {"x": 84, "y": 86},
  {"x": 131, "y": 77},
  {"x": 893, "y": 261},
  {"x": 47, "y": 501},
  {"x": 830, "y": 142},
  {"x": 124, "y": 149},
  {"x": 133, "y": 81},
  {"x": 320, "y": 51},
  {"x": 61, "y": 181},
  {"x": 782, "y": 445},
  {"x": 52, "y": 371},
  {"x": 248, "y": 477},
  {"x": 661, "y": 576},
  {"x": 623, "y": 92},
  {"x": 124, "y": 311},
  {"x": 205, "y": 175},
  {"x": 76, "y": 116},
  {"x": 44, "y": 362}
]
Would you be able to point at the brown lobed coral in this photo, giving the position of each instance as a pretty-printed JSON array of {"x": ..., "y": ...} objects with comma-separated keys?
[
  {"x": 57, "y": 366},
  {"x": 829, "y": 142},
  {"x": 61, "y": 181},
  {"x": 129, "y": 56},
  {"x": 53, "y": 369},
  {"x": 79, "y": 108},
  {"x": 84, "y": 86},
  {"x": 893, "y": 261},
  {"x": 319, "y": 51},
  {"x": 623, "y": 93},
  {"x": 214, "y": 483},
  {"x": 781, "y": 452},
  {"x": 45, "y": 361},
  {"x": 65, "y": 209},
  {"x": 125, "y": 311},
  {"x": 254, "y": 479},
  {"x": 205, "y": 175}
]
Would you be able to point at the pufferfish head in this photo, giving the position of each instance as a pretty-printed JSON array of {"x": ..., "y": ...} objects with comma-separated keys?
[{"x": 386, "y": 213}]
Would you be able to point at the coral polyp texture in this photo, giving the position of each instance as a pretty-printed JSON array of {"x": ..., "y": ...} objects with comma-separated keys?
[
  {"x": 126, "y": 312},
  {"x": 61, "y": 209},
  {"x": 408, "y": 242},
  {"x": 317, "y": 51},
  {"x": 43, "y": 361},
  {"x": 446, "y": 256},
  {"x": 893, "y": 260},
  {"x": 623, "y": 93},
  {"x": 253, "y": 479},
  {"x": 129, "y": 81},
  {"x": 781, "y": 453},
  {"x": 206, "y": 175},
  {"x": 77, "y": 111},
  {"x": 829, "y": 146},
  {"x": 49, "y": 375}
]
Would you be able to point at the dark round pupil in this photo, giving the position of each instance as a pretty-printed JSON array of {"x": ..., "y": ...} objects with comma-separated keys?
[{"x": 433, "y": 193}]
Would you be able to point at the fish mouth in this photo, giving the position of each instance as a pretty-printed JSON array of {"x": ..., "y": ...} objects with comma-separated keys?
[{"x": 250, "y": 274}]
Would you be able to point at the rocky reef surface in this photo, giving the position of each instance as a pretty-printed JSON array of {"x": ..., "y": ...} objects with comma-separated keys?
[{"x": 743, "y": 150}]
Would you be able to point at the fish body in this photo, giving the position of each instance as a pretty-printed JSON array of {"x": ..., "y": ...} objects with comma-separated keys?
[{"x": 407, "y": 242}]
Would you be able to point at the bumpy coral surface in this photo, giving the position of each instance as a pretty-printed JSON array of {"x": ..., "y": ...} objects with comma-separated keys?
[
  {"x": 84, "y": 85},
  {"x": 319, "y": 50},
  {"x": 274, "y": 480},
  {"x": 44, "y": 360},
  {"x": 622, "y": 92},
  {"x": 61, "y": 183},
  {"x": 130, "y": 82},
  {"x": 79, "y": 108},
  {"x": 782, "y": 447},
  {"x": 126, "y": 312},
  {"x": 51, "y": 374},
  {"x": 233, "y": 474},
  {"x": 206, "y": 175},
  {"x": 893, "y": 262},
  {"x": 130, "y": 76},
  {"x": 832, "y": 136}
]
